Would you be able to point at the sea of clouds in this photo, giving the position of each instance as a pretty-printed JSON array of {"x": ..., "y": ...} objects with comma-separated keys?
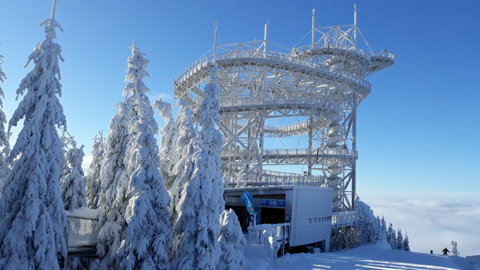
[{"x": 432, "y": 220}]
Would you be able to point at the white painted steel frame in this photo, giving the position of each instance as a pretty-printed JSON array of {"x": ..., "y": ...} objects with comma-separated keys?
[{"x": 322, "y": 82}]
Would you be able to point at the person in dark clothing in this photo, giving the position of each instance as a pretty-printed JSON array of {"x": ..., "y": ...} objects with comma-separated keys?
[
  {"x": 445, "y": 251},
  {"x": 431, "y": 251}
]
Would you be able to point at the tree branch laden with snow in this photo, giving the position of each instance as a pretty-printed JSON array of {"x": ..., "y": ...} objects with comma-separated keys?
[{"x": 4, "y": 144}]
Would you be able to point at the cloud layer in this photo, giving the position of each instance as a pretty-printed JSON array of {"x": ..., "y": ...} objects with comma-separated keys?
[{"x": 432, "y": 220}]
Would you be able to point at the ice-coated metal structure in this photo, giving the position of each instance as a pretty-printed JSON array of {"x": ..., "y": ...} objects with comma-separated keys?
[{"x": 269, "y": 92}]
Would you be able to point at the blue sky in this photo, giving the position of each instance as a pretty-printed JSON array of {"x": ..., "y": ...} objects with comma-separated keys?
[{"x": 418, "y": 131}]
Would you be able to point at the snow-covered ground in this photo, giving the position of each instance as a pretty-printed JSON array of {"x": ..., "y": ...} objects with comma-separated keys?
[{"x": 362, "y": 258}]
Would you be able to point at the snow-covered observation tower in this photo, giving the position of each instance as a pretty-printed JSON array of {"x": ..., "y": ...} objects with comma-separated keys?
[{"x": 270, "y": 93}]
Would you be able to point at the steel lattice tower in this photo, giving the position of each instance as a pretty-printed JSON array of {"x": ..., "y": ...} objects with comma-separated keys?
[{"x": 321, "y": 82}]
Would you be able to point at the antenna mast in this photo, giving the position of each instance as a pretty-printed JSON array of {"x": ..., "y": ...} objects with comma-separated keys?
[
  {"x": 54, "y": 7},
  {"x": 215, "y": 30},
  {"x": 355, "y": 25},
  {"x": 265, "y": 38},
  {"x": 313, "y": 27}
]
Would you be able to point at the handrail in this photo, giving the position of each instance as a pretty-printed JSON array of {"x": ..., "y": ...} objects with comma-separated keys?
[
  {"x": 294, "y": 127},
  {"x": 277, "y": 173},
  {"x": 269, "y": 180},
  {"x": 244, "y": 102},
  {"x": 80, "y": 217},
  {"x": 300, "y": 152},
  {"x": 357, "y": 50},
  {"x": 344, "y": 218},
  {"x": 268, "y": 55}
]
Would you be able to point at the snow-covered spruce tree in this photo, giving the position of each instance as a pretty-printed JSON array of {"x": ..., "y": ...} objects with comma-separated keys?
[
  {"x": 112, "y": 179},
  {"x": 72, "y": 186},
  {"x": 183, "y": 169},
  {"x": 72, "y": 183},
  {"x": 209, "y": 119},
  {"x": 232, "y": 242},
  {"x": 367, "y": 225},
  {"x": 168, "y": 154},
  {"x": 391, "y": 236},
  {"x": 406, "y": 243},
  {"x": 201, "y": 200},
  {"x": 4, "y": 144},
  {"x": 93, "y": 185},
  {"x": 383, "y": 229},
  {"x": 399, "y": 240},
  {"x": 136, "y": 229},
  {"x": 112, "y": 171},
  {"x": 379, "y": 234},
  {"x": 33, "y": 219}
]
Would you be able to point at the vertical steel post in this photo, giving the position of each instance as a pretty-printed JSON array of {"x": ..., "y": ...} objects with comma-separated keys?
[
  {"x": 354, "y": 149},
  {"x": 310, "y": 146}
]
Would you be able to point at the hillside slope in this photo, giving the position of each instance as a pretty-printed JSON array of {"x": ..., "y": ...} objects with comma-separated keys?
[{"x": 362, "y": 258}]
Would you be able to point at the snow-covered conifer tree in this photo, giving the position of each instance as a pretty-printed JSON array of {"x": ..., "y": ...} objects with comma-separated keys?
[
  {"x": 4, "y": 145},
  {"x": 201, "y": 200},
  {"x": 232, "y": 242},
  {"x": 112, "y": 179},
  {"x": 406, "y": 243},
  {"x": 183, "y": 169},
  {"x": 93, "y": 185},
  {"x": 379, "y": 233},
  {"x": 209, "y": 118},
  {"x": 391, "y": 236},
  {"x": 72, "y": 183},
  {"x": 367, "y": 225},
  {"x": 135, "y": 231},
  {"x": 33, "y": 219},
  {"x": 112, "y": 169},
  {"x": 399, "y": 240},
  {"x": 383, "y": 228},
  {"x": 168, "y": 154},
  {"x": 186, "y": 214}
]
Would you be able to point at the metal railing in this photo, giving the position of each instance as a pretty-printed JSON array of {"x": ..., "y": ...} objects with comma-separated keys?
[
  {"x": 277, "y": 58},
  {"x": 301, "y": 152},
  {"x": 290, "y": 180},
  {"x": 227, "y": 103},
  {"x": 343, "y": 219},
  {"x": 358, "y": 51},
  {"x": 274, "y": 180},
  {"x": 272, "y": 236},
  {"x": 271, "y": 153}
]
